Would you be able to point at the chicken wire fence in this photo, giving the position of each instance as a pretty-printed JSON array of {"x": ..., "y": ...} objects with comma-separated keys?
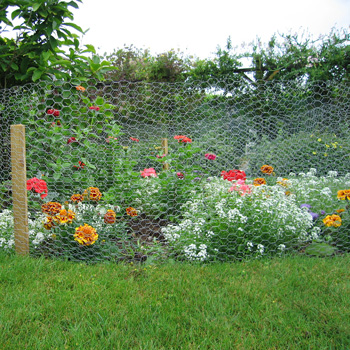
[{"x": 194, "y": 171}]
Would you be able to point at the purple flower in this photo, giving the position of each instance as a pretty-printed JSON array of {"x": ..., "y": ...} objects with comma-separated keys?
[
  {"x": 314, "y": 215},
  {"x": 322, "y": 212},
  {"x": 305, "y": 206},
  {"x": 197, "y": 179}
]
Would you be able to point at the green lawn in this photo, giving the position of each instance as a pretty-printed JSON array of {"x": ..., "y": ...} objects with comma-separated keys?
[{"x": 290, "y": 303}]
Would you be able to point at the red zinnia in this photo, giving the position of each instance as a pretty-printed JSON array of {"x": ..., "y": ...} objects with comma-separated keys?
[
  {"x": 134, "y": 139},
  {"x": 182, "y": 138},
  {"x": 38, "y": 185},
  {"x": 210, "y": 156},
  {"x": 81, "y": 165},
  {"x": 233, "y": 175},
  {"x": 71, "y": 140},
  {"x": 55, "y": 112},
  {"x": 95, "y": 108},
  {"x": 180, "y": 175},
  {"x": 150, "y": 172}
]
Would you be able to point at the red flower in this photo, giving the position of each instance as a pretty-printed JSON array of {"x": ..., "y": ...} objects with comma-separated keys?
[
  {"x": 182, "y": 138},
  {"x": 95, "y": 108},
  {"x": 233, "y": 175},
  {"x": 134, "y": 139},
  {"x": 150, "y": 172},
  {"x": 55, "y": 112},
  {"x": 71, "y": 140},
  {"x": 81, "y": 165},
  {"x": 39, "y": 186},
  {"x": 180, "y": 175},
  {"x": 210, "y": 156}
]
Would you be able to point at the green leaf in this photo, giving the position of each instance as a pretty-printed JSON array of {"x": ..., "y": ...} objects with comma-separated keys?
[
  {"x": 36, "y": 6},
  {"x": 56, "y": 176},
  {"x": 99, "y": 101},
  {"x": 37, "y": 74},
  {"x": 74, "y": 26}
]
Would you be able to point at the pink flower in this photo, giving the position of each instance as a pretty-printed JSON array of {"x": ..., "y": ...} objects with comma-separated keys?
[
  {"x": 71, "y": 140},
  {"x": 150, "y": 172},
  {"x": 180, "y": 175},
  {"x": 38, "y": 185},
  {"x": 95, "y": 108},
  {"x": 233, "y": 175},
  {"x": 210, "y": 156},
  {"x": 241, "y": 187},
  {"x": 162, "y": 156},
  {"x": 110, "y": 138}
]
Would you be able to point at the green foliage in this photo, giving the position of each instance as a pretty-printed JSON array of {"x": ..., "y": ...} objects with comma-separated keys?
[
  {"x": 45, "y": 46},
  {"x": 139, "y": 65},
  {"x": 300, "y": 151}
]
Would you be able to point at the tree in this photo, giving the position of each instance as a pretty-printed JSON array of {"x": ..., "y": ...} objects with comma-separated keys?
[
  {"x": 45, "y": 45},
  {"x": 135, "y": 64}
]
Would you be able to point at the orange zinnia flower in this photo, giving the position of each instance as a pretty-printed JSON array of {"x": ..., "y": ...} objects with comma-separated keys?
[
  {"x": 64, "y": 217},
  {"x": 92, "y": 193},
  {"x": 131, "y": 211},
  {"x": 259, "y": 181},
  {"x": 51, "y": 208},
  {"x": 85, "y": 235},
  {"x": 109, "y": 217},
  {"x": 266, "y": 169},
  {"x": 80, "y": 88},
  {"x": 49, "y": 223},
  {"x": 77, "y": 198}
]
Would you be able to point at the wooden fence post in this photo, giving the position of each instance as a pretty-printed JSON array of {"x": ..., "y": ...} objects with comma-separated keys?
[
  {"x": 19, "y": 189},
  {"x": 165, "y": 151}
]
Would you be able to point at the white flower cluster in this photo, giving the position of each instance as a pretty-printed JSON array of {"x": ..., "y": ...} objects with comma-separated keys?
[
  {"x": 36, "y": 231},
  {"x": 193, "y": 253}
]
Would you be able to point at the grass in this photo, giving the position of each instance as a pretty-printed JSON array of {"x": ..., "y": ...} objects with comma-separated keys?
[{"x": 290, "y": 303}]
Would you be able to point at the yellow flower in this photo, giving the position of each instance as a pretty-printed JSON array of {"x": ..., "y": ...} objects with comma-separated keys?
[
  {"x": 85, "y": 235},
  {"x": 259, "y": 181},
  {"x": 326, "y": 154},
  {"x": 266, "y": 169},
  {"x": 340, "y": 211},
  {"x": 92, "y": 193},
  {"x": 332, "y": 220},
  {"x": 284, "y": 182},
  {"x": 343, "y": 194},
  {"x": 109, "y": 217},
  {"x": 49, "y": 223},
  {"x": 76, "y": 198},
  {"x": 51, "y": 208},
  {"x": 319, "y": 140},
  {"x": 334, "y": 144},
  {"x": 131, "y": 211},
  {"x": 314, "y": 152},
  {"x": 64, "y": 217},
  {"x": 327, "y": 146}
]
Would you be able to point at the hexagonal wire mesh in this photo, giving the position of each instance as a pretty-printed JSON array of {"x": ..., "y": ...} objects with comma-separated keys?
[{"x": 190, "y": 171}]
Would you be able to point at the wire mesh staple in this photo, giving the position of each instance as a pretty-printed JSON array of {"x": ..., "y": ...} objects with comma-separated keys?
[{"x": 245, "y": 171}]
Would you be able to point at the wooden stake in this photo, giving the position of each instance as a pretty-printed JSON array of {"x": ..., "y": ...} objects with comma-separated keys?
[
  {"x": 165, "y": 151},
  {"x": 19, "y": 189}
]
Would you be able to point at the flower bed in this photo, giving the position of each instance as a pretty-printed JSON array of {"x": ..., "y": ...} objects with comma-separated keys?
[{"x": 91, "y": 198}]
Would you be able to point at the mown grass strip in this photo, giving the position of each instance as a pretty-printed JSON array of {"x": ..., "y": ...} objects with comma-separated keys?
[{"x": 291, "y": 303}]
